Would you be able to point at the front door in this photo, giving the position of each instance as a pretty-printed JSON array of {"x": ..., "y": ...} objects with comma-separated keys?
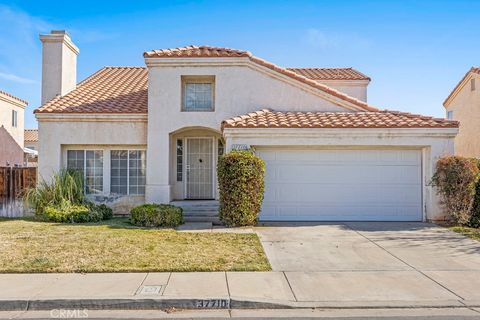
[{"x": 199, "y": 168}]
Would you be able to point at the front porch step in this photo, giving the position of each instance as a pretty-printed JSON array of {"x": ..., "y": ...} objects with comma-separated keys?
[{"x": 199, "y": 210}]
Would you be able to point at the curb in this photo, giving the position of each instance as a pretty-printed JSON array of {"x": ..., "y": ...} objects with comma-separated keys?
[{"x": 216, "y": 304}]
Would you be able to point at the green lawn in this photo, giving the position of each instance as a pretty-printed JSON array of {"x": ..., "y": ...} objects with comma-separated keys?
[
  {"x": 473, "y": 233},
  {"x": 114, "y": 245}
]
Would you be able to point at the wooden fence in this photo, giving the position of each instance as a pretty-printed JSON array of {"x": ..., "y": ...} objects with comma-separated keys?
[{"x": 15, "y": 180}]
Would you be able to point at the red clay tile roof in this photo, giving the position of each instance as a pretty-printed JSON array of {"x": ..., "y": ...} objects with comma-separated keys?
[
  {"x": 330, "y": 73},
  {"x": 31, "y": 135},
  {"x": 216, "y": 52},
  {"x": 197, "y": 52},
  {"x": 109, "y": 90},
  {"x": 472, "y": 70},
  {"x": 13, "y": 97},
  {"x": 267, "y": 118}
]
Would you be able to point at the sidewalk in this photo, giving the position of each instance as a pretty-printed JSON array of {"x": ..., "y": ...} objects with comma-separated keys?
[{"x": 220, "y": 290}]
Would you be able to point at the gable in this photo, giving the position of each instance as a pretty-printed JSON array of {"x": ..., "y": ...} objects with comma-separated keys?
[
  {"x": 474, "y": 72},
  {"x": 205, "y": 54}
]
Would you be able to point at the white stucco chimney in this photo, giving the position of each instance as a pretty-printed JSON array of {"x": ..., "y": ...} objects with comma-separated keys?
[{"x": 59, "y": 64}]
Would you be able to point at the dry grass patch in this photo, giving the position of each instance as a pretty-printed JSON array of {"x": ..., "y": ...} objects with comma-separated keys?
[
  {"x": 116, "y": 246},
  {"x": 473, "y": 233}
]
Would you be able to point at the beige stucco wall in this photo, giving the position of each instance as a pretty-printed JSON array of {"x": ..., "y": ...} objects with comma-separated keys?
[
  {"x": 240, "y": 88},
  {"x": 356, "y": 89},
  {"x": 434, "y": 143},
  {"x": 7, "y": 104},
  {"x": 10, "y": 152},
  {"x": 466, "y": 109},
  {"x": 56, "y": 137}
]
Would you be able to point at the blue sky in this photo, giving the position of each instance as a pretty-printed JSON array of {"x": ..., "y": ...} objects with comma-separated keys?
[{"x": 414, "y": 51}]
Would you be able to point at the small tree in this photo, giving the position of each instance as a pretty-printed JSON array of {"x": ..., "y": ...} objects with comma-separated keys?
[
  {"x": 455, "y": 179},
  {"x": 241, "y": 184}
]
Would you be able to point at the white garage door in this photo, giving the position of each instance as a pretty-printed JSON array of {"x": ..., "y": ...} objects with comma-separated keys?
[{"x": 336, "y": 185}]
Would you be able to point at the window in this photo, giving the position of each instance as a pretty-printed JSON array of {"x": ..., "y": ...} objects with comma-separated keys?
[
  {"x": 179, "y": 160},
  {"x": 198, "y": 93},
  {"x": 14, "y": 118},
  {"x": 127, "y": 172},
  {"x": 90, "y": 164},
  {"x": 450, "y": 115},
  {"x": 472, "y": 84}
]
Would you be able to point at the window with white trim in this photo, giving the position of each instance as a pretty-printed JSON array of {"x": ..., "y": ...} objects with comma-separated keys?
[
  {"x": 198, "y": 93},
  {"x": 90, "y": 164},
  {"x": 450, "y": 115},
  {"x": 128, "y": 172}
]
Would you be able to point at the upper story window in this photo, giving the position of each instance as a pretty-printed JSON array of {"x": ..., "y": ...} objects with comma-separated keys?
[
  {"x": 450, "y": 115},
  {"x": 14, "y": 118},
  {"x": 472, "y": 84},
  {"x": 198, "y": 93}
]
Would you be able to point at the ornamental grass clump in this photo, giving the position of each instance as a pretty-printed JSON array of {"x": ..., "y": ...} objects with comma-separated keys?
[
  {"x": 455, "y": 179},
  {"x": 241, "y": 184},
  {"x": 62, "y": 199}
]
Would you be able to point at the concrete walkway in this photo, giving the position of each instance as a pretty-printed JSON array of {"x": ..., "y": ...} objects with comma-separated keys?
[{"x": 350, "y": 265}]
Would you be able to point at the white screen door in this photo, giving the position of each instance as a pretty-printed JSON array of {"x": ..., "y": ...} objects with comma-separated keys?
[{"x": 199, "y": 168}]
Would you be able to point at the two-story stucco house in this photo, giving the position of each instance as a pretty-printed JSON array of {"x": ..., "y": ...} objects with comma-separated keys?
[
  {"x": 463, "y": 105},
  {"x": 11, "y": 129},
  {"x": 154, "y": 134}
]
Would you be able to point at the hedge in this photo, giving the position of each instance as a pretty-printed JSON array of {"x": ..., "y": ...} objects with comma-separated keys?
[
  {"x": 241, "y": 185},
  {"x": 156, "y": 215},
  {"x": 456, "y": 180}
]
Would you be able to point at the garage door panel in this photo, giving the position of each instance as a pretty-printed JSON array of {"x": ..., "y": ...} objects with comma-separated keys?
[
  {"x": 349, "y": 194},
  {"x": 405, "y": 157},
  {"x": 344, "y": 213},
  {"x": 342, "y": 185},
  {"x": 341, "y": 174}
]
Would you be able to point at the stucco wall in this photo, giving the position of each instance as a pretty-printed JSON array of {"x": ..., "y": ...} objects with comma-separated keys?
[
  {"x": 55, "y": 138},
  {"x": 10, "y": 152},
  {"x": 433, "y": 144},
  {"x": 466, "y": 109},
  {"x": 6, "y": 107},
  {"x": 356, "y": 89},
  {"x": 53, "y": 135},
  {"x": 239, "y": 89}
]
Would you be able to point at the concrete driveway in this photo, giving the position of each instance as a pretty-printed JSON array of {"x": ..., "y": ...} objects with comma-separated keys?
[{"x": 373, "y": 261}]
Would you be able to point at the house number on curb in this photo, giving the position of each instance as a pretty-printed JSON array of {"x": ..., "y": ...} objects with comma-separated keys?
[{"x": 213, "y": 303}]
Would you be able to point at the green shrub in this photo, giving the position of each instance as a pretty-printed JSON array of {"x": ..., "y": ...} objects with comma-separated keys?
[
  {"x": 455, "y": 179},
  {"x": 156, "y": 215},
  {"x": 67, "y": 212},
  {"x": 241, "y": 184},
  {"x": 475, "y": 218},
  {"x": 102, "y": 210}
]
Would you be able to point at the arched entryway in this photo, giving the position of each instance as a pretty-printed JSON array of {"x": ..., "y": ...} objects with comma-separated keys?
[{"x": 193, "y": 163}]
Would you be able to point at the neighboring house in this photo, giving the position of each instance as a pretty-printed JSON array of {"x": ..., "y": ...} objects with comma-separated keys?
[
  {"x": 11, "y": 129},
  {"x": 31, "y": 139},
  {"x": 463, "y": 105},
  {"x": 31, "y": 147},
  {"x": 154, "y": 134}
]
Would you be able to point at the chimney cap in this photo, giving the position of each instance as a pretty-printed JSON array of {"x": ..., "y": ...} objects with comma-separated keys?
[
  {"x": 59, "y": 32},
  {"x": 60, "y": 36}
]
